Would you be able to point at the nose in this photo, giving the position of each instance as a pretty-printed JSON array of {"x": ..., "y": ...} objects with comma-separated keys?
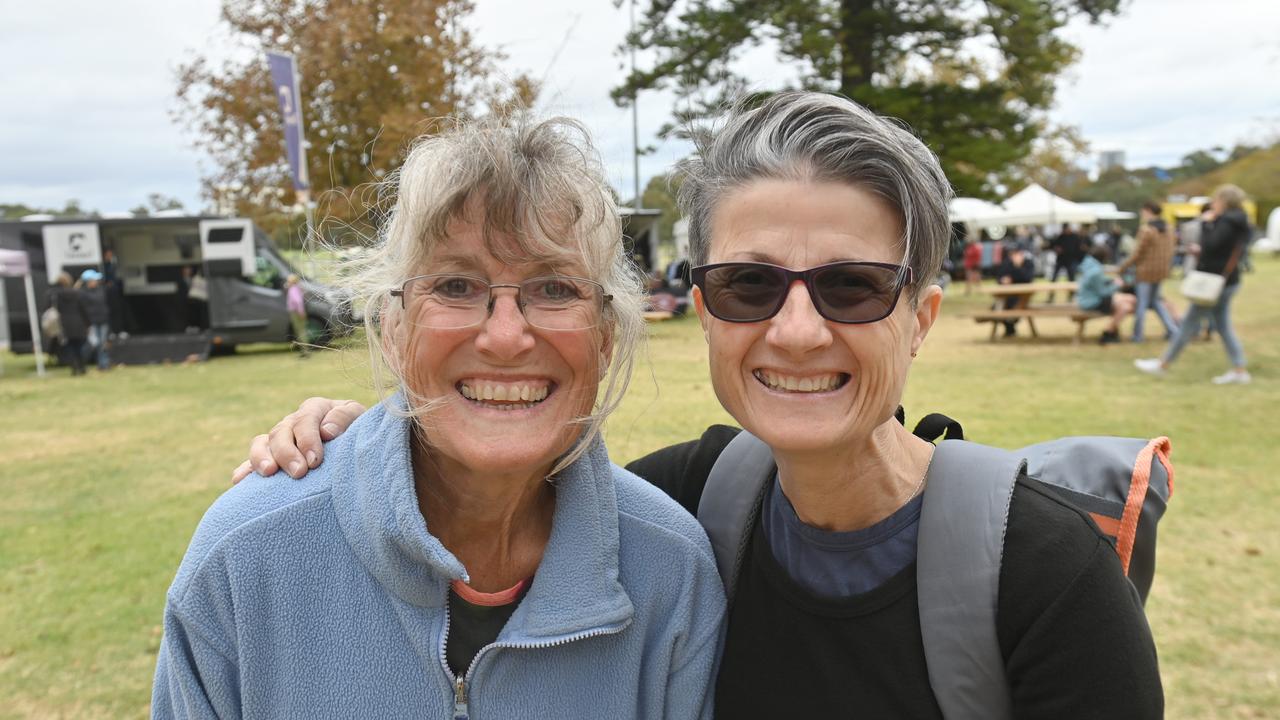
[
  {"x": 798, "y": 329},
  {"x": 505, "y": 333}
]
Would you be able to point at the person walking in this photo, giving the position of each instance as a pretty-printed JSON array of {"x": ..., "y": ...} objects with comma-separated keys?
[
  {"x": 1223, "y": 239},
  {"x": 98, "y": 308},
  {"x": 70, "y": 304},
  {"x": 295, "y": 300},
  {"x": 1151, "y": 260}
]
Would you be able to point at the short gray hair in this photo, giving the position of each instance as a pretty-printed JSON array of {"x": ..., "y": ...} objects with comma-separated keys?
[
  {"x": 1230, "y": 195},
  {"x": 811, "y": 136},
  {"x": 539, "y": 192}
]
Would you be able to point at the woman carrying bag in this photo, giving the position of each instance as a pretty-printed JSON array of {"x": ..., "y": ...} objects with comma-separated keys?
[{"x": 1223, "y": 240}]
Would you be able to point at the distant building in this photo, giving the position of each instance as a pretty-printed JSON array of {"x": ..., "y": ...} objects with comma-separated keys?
[{"x": 1109, "y": 159}]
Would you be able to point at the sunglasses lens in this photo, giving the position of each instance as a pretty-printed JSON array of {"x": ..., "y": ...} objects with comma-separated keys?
[
  {"x": 744, "y": 292},
  {"x": 856, "y": 293}
]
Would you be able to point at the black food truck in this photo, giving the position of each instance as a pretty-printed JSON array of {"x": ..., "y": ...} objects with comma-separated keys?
[{"x": 179, "y": 285}]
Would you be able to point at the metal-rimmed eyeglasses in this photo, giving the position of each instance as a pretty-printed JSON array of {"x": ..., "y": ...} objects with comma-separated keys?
[{"x": 452, "y": 301}]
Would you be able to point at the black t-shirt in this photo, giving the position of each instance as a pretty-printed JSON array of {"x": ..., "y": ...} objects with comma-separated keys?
[
  {"x": 473, "y": 626},
  {"x": 1071, "y": 629}
]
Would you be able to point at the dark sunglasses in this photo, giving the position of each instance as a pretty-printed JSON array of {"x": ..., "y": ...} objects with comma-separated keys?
[{"x": 843, "y": 292}]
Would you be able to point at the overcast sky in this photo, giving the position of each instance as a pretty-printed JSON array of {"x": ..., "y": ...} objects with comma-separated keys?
[{"x": 87, "y": 86}]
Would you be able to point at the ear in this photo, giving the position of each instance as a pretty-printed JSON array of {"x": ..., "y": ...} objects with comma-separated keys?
[
  {"x": 704, "y": 317},
  {"x": 927, "y": 309}
]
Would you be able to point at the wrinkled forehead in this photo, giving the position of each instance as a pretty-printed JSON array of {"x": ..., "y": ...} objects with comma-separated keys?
[{"x": 481, "y": 235}]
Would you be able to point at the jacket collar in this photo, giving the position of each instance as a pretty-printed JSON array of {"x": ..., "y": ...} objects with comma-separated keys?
[{"x": 576, "y": 587}]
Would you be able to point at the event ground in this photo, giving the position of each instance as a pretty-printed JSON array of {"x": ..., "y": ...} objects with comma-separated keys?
[{"x": 102, "y": 480}]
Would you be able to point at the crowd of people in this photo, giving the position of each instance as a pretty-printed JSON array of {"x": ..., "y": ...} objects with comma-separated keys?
[{"x": 1121, "y": 276}]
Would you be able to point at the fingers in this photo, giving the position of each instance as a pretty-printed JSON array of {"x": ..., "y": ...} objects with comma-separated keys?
[
  {"x": 339, "y": 418},
  {"x": 260, "y": 459},
  {"x": 283, "y": 447},
  {"x": 241, "y": 472}
]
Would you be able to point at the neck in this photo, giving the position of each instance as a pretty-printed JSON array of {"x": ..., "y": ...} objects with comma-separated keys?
[
  {"x": 497, "y": 525},
  {"x": 858, "y": 485}
]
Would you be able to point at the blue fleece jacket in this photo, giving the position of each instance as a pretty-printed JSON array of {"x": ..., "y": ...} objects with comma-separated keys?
[{"x": 327, "y": 598}]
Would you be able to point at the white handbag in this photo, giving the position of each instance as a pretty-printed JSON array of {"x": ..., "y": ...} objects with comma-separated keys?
[{"x": 1203, "y": 288}]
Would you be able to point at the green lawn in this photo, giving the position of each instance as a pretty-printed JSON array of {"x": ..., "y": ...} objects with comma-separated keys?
[{"x": 103, "y": 479}]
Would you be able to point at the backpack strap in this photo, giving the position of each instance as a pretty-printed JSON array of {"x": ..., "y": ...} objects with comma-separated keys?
[
  {"x": 960, "y": 546},
  {"x": 731, "y": 501}
]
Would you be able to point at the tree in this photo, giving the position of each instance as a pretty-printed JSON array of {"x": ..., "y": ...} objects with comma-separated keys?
[
  {"x": 972, "y": 77},
  {"x": 1055, "y": 161},
  {"x": 157, "y": 202},
  {"x": 373, "y": 76}
]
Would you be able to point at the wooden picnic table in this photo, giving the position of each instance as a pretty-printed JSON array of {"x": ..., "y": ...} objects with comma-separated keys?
[{"x": 1027, "y": 310}]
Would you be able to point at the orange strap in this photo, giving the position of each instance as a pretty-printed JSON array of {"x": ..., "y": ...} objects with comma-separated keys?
[{"x": 1156, "y": 449}]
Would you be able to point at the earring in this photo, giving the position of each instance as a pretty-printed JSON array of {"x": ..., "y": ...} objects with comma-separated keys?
[{"x": 913, "y": 353}]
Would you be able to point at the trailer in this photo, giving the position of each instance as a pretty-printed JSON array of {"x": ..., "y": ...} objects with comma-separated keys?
[{"x": 180, "y": 286}]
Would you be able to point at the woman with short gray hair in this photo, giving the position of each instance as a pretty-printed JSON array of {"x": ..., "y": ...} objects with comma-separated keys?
[{"x": 817, "y": 228}]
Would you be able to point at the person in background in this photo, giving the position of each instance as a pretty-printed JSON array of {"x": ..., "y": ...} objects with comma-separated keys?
[
  {"x": 295, "y": 301},
  {"x": 99, "y": 312},
  {"x": 1223, "y": 238},
  {"x": 1152, "y": 259},
  {"x": 114, "y": 286},
  {"x": 1018, "y": 268},
  {"x": 74, "y": 315},
  {"x": 1068, "y": 250},
  {"x": 1099, "y": 293},
  {"x": 972, "y": 264}
]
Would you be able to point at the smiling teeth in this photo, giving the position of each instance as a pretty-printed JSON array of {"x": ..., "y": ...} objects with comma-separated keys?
[
  {"x": 517, "y": 395},
  {"x": 791, "y": 383}
]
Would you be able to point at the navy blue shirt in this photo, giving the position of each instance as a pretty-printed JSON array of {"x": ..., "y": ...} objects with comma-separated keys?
[{"x": 833, "y": 564}]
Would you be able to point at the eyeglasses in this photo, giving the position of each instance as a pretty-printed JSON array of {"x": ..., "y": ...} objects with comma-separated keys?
[
  {"x": 843, "y": 292},
  {"x": 450, "y": 302}
]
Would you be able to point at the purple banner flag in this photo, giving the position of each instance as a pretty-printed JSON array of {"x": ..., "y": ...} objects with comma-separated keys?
[{"x": 284, "y": 77}]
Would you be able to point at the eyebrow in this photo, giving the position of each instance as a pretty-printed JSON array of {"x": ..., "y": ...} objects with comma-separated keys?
[
  {"x": 754, "y": 256},
  {"x": 466, "y": 262}
]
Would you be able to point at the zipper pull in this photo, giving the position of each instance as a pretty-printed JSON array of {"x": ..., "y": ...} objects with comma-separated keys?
[{"x": 460, "y": 711}]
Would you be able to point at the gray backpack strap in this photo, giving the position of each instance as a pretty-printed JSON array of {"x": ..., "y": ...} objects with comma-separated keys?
[
  {"x": 731, "y": 501},
  {"x": 961, "y": 541}
]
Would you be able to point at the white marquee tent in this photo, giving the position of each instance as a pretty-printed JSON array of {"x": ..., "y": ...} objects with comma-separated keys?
[
  {"x": 970, "y": 210},
  {"x": 1034, "y": 206},
  {"x": 15, "y": 263}
]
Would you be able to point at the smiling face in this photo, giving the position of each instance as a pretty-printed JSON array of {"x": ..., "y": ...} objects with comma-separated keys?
[
  {"x": 797, "y": 381},
  {"x": 506, "y": 393}
]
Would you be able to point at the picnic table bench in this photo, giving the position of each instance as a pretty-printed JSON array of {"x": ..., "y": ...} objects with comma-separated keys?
[{"x": 1029, "y": 311}]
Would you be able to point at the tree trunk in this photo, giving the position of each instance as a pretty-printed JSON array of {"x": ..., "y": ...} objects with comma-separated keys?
[{"x": 860, "y": 27}]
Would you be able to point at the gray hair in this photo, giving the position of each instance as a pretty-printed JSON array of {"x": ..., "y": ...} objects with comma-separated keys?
[
  {"x": 1230, "y": 195},
  {"x": 537, "y": 190},
  {"x": 811, "y": 136}
]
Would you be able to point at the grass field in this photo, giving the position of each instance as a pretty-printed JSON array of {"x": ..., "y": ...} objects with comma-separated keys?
[{"x": 105, "y": 477}]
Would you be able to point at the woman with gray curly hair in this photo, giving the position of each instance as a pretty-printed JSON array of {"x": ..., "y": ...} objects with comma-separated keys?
[
  {"x": 817, "y": 228},
  {"x": 467, "y": 548}
]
